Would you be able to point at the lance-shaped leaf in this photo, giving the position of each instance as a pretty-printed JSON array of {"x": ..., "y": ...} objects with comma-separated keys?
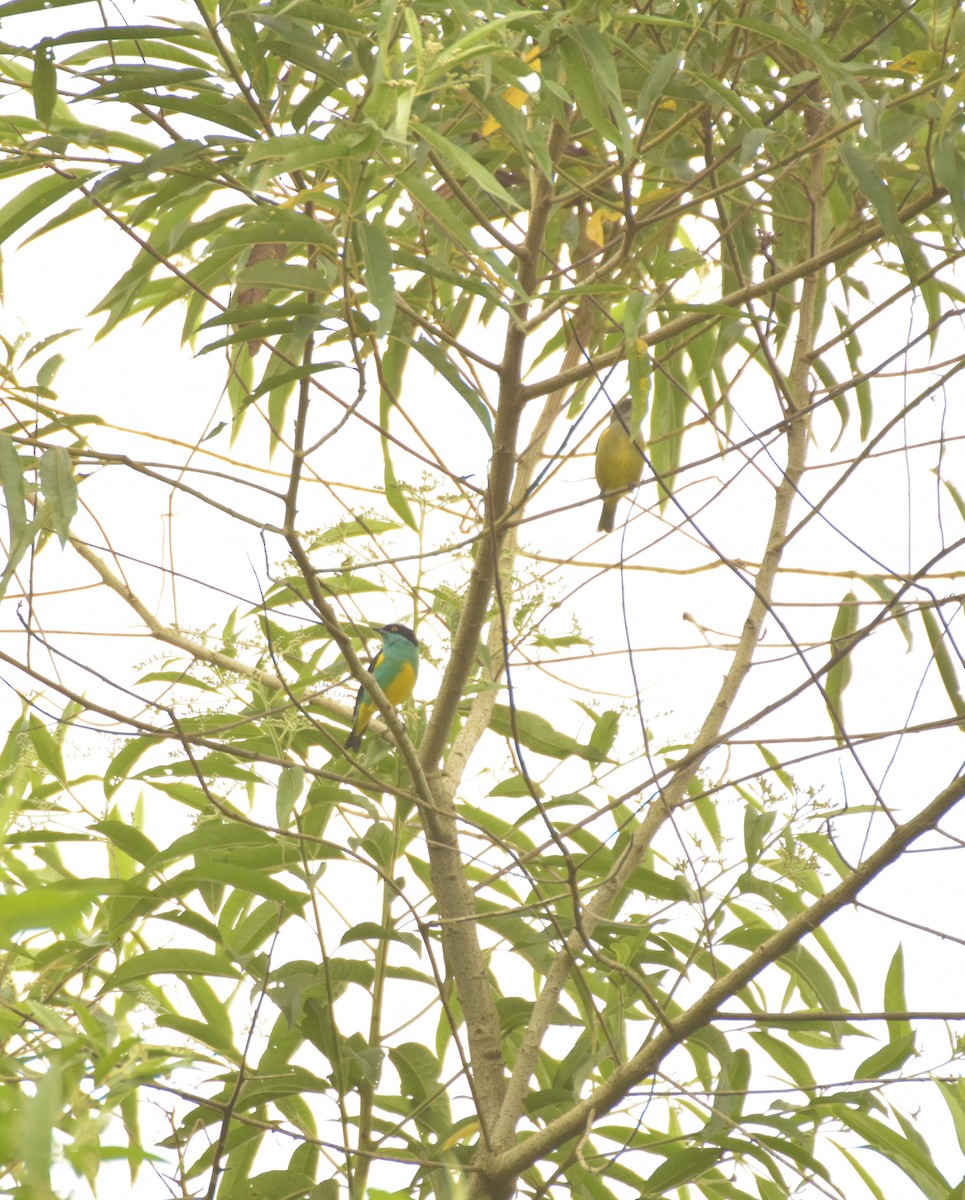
[
  {"x": 59, "y": 487},
  {"x": 938, "y": 639},
  {"x": 842, "y": 635},
  {"x": 377, "y": 256},
  {"x": 451, "y": 153},
  {"x": 45, "y": 82},
  {"x": 35, "y": 198}
]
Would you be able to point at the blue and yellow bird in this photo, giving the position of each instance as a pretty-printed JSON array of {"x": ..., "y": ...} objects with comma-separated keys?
[
  {"x": 395, "y": 668},
  {"x": 619, "y": 462}
]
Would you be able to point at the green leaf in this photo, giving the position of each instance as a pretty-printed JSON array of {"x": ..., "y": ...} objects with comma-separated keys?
[
  {"x": 448, "y": 219},
  {"x": 757, "y": 826},
  {"x": 439, "y": 359},
  {"x": 871, "y": 185},
  {"x": 257, "y": 227},
  {"x": 290, "y": 784},
  {"x": 903, "y": 1152},
  {"x": 891, "y": 1057},
  {"x": 418, "y": 1069},
  {"x": 141, "y": 78},
  {"x": 953, "y": 1093},
  {"x": 47, "y": 749},
  {"x": 60, "y": 907},
  {"x": 450, "y": 152},
  {"x": 241, "y": 878},
  {"x": 586, "y": 88},
  {"x": 537, "y": 734},
  {"x": 895, "y": 996},
  {"x": 33, "y": 199},
  {"x": 638, "y": 364},
  {"x": 302, "y": 151},
  {"x": 45, "y": 375},
  {"x": 605, "y": 728},
  {"x": 179, "y": 677},
  {"x": 121, "y": 764},
  {"x": 369, "y": 931},
  {"x": 667, "y": 418},
  {"x": 866, "y": 1176},
  {"x": 955, "y": 494},
  {"x": 394, "y": 494},
  {"x": 730, "y": 1095},
  {"x": 22, "y": 532},
  {"x": 889, "y": 596},
  {"x": 127, "y": 838},
  {"x": 473, "y": 42},
  {"x": 950, "y": 165},
  {"x": 515, "y": 786},
  {"x": 787, "y": 1058},
  {"x": 599, "y": 51},
  {"x": 377, "y": 257},
  {"x": 706, "y": 807},
  {"x": 803, "y": 42},
  {"x": 947, "y": 669},
  {"x": 824, "y": 846},
  {"x": 816, "y": 985},
  {"x": 681, "y": 1167},
  {"x": 202, "y": 1032},
  {"x": 59, "y": 487},
  {"x": 215, "y": 1013},
  {"x": 779, "y": 772},
  {"x": 270, "y": 272},
  {"x": 44, "y": 82},
  {"x": 148, "y": 963},
  {"x": 661, "y": 887},
  {"x": 842, "y": 637},
  {"x": 11, "y": 479},
  {"x": 42, "y": 1115},
  {"x": 658, "y": 76}
]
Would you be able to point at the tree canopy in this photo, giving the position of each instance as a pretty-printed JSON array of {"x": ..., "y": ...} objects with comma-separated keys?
[{"x": 645, "y": 893}]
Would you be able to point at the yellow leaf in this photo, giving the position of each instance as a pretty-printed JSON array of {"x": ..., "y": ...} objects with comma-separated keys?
[
  {"x": 515, "y": 96},
  {"x": 919, "y": 62},
  {"x": 594, "y": 227}
]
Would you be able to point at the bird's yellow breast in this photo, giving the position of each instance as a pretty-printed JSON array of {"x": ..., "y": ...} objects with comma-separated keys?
[
  {"x": 619, "y": 464},
  {"x": 400, "y": 688}
]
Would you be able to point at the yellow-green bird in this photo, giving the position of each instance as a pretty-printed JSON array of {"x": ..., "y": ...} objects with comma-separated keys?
[
  {"x": 619, "y": 462},
  {"x": 395, "y": 668}
]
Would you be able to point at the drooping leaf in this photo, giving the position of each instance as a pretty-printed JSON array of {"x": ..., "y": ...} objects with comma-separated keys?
[
  {"x": 45, "y": 82},
  {"x": 35, "y": 198},
  {"x": 942, "y": 655},
  {"x": 11, "y": 480},
  {"x": 451, "y": 153},
  {"x": 59, "y": 487},
  {"x": 537, "y": 734},
  {"x": 377, "y": 257},
  {"x": 838, "y": 678}
]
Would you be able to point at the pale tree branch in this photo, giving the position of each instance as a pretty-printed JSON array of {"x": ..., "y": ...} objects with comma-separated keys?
[
  {"x": 833, "y": 254},
  {"x": 675, "y": 792},
  {"x": 645, "y": 1062},
  {"x": 587, "y": 316}
]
